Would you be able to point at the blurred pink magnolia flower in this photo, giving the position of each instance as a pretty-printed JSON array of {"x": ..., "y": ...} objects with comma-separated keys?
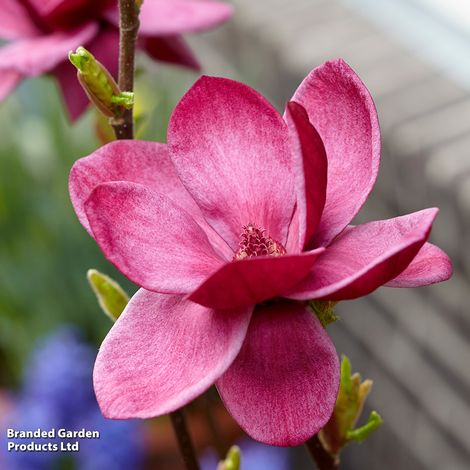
[
  {"x": 228, "y": 229},
  {"x": 44, "y": 31}
]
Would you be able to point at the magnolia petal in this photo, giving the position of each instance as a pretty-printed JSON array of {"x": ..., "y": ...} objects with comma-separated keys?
[
  {"x": 294, "y": 244},
  {"x": 230, "y": 148},
  {"x": 168, "y": 17},
  {"x": 311, "y": 167},
  {"x": 171, "y": 49},
  {"x": 340, "y": 107},
  {"x": 141, "y": 162},
  {"x": 146, "y": 163},
  {"x": 47, "y": 7},
  {"x": 65, "y": 14},
  {"x": 429, "y": 266},
  {"x": 154, "y": 242},
  {"x": 253, "y": 280},
  {"x": 282, "y": 386},
  {"x": 163, "y": 352},
  {"x": 365, "y": 257},
  {"x": 15, "y": 21},
  {"x": 34, "y": 56}
]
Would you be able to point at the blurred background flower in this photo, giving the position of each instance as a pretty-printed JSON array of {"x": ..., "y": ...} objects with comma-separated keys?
[
  {"x": 57, "y": 393},
  {"x": 42, "y": 33}
]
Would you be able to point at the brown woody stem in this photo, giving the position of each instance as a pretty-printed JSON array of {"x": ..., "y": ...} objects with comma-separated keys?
[
  {"x": 321, "y": 457},
  {"x": 128, "y": 28},
  {"x": 184, "y": 440},
  {"x": 217, "y": 438}
]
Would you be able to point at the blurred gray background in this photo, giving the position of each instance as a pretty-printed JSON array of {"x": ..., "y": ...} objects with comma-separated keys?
[{"x": 414, "y": 56}]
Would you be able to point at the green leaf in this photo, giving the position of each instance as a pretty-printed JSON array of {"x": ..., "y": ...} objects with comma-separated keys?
[
  {"x": 363, "y": 432},
  {"x": 110, "y": 295},
  {"x": 346, "y": 383},
  {"x": 125, "y": 98},
  {"x": 339, "y": 431}
]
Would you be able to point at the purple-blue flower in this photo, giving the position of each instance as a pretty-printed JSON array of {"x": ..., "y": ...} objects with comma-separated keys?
[{"x": 57, "y": 393}]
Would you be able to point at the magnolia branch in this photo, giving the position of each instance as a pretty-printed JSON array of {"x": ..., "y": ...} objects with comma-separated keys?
[
  {"x": 128, "y": 28},
  {"x": 184, "y": 440}
]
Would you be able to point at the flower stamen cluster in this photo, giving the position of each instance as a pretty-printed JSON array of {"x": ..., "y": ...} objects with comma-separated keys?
[{"x": 255, "y": 242}]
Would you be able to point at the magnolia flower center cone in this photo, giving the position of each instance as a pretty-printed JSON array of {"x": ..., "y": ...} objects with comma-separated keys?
[{"x": 255, "y": 242}]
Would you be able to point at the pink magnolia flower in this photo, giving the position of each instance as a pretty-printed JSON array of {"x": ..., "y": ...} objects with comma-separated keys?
[
  {"x": 229, "y": 228},
  {"x": 44, "y": 31}
]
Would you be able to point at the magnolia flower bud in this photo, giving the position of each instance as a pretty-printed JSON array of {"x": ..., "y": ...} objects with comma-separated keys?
[
  {"x": 110, "y": 295},
  {"x": 99, "y": 85}
]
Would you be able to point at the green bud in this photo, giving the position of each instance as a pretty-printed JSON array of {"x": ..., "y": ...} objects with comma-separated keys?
[
  {"x": 81, "y": 59},
  {"x": 110, "y": 295},
  {"x": 99, "y": 85},
  {"x": 339, "y": 431},
  {"x": 324, "y": 310},
  {"x": 232, "y": 461}
]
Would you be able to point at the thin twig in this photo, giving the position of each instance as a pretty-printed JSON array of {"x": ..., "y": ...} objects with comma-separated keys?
[
  {"x": 184, "y": 440},
  {"x": 320, "y": 456},
  {"x": 215, "y": 433},
  {"x": 128, "y": 28}
]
